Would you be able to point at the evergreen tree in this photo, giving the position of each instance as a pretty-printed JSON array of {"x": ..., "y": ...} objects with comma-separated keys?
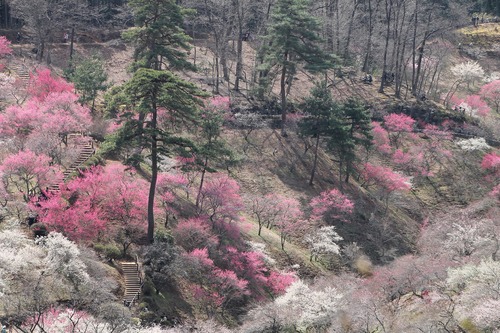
[
  {"x": 211, "y": 147},
  {"x": 89, "y": 77},
  {"x": 350, "y": 129},
  {"x": 319, "y": 108},
  {"x": 344, "y": 125},
  {"x": 160, "y": 44},
  {"x": 293, "y": 38},
  {"x": 149, "y": 93},
  {"x": 160, "y": 41}
]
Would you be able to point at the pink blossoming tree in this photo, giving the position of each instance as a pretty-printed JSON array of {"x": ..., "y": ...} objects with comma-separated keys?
[
  {"x": 330, "y": 206},
  {"x": 28, "y": 172},
  {"x": 397, "y": 125},
  {"x": 491, "y": 93}
]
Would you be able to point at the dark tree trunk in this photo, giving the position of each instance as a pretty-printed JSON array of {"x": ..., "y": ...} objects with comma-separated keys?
[
  {"x": 202, "y": 181},
  {"x": 239, "y": 63},
  {"x": 216, "y": 83},
  {"x": 349, "y": 31},
  {"x": 315, "y": 163},
  {"x": 388, "y": 11},
  {"x": 283, "y": 94},
  {"x": 71, "y": 43},
  {"x": 154, "y": 176},
  {"x": 239, "y": 46},
  {"x": 367, "y": 61}
]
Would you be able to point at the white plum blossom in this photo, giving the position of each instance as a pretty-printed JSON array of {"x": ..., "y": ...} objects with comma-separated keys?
[
  {"x": 469, "y": 71},
  {"x": 63, "y": 257},
  {"x": 473, "y": 144},
  {"x": 465, "y": 239},
  {"x": 309, "y": 308},
  {"x": 487, "y": 314},
  {"x": 483, "y": 278},
  {"x": 324, "y": 241},
  {"x": 478, "y": 288},
  {"x": 261, "y": 249}
]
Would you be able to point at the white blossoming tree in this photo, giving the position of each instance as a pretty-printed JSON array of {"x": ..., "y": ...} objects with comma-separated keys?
[
  {"x": 63, "y": 257},
  {"x": 478, "y": 288},
  {"x": 468, "y": 72},
  {"x": 473, "y": 144},
  {"x": 309, "y": 308},
  {"x": 323, "y": 242}
]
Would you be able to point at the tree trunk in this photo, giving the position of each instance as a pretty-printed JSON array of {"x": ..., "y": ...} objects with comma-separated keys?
[
  {"x": 419, "y": 67},
  {"x": 41, "y": 50},
  {"x": 414, "y": 51},
  {"x": 216, "y": 83},
  {"x": 239, "y": 64},
  {"x": 202, "y": 180},
  {"x": 421, "y": 49},
  {"x": 349, "y": 30},
  {"x": 399, "y": 68},
  {"x": 388, "y": 12},
  {"x": 369, "y": 42},
  {"x": 313, "y": 172},
  {"x": 225, "y": 70},
  {"x": 283, "y": 94},
  {"x": 329, "y": 25},
  {"x": 337, "y": 25},
  {"x": 71, "y": 43},
  {"x": 154, "y": 177},
  {"x": 239, "y": 47}
]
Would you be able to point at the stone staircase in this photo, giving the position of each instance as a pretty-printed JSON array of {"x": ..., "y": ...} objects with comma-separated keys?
[
  {"x": 133, "y": 282},
  {"x": 20, "y": 70},
  {"x": 85, "y": 147}
]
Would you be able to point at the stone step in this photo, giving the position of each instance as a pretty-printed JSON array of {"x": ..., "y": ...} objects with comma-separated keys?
[
  {"x": 133, "y": 289},
  {"x": 132, "y": 282}
]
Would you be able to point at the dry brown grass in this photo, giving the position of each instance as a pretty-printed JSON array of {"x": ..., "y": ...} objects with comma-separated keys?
[{"x": 487, "y": 30}]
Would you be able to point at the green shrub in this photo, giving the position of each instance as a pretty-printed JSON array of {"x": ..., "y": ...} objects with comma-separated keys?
[
  {"x": 148, "y": 289},
  {"x": 163, "y": 236},
  {"x": 110, "y": 251}
]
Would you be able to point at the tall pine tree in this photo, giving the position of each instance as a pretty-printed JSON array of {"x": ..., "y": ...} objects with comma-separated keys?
[
  {"x": 160, "y": 45},
  {"x": 158, "y": 36},
  {"x": 293, "y": 39}
]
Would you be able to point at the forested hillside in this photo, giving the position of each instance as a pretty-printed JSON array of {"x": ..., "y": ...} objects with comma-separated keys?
[{"x": 250, "y": 166}]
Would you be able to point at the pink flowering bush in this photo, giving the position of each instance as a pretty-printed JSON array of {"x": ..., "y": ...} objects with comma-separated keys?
[
  {"x": 330, "y": 206},
  {"x": 380, "y": 138},
  {"x": 42, "y": 83},
  {"x": 491, "y": 93},
  {"x": 397, "y": 125}
]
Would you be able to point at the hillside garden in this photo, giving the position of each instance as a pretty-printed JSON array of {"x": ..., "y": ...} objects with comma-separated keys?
[{"x": 291, "y": 194}]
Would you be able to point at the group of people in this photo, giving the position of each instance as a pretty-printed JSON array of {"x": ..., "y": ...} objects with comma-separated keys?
[
  {"x": 459, "y": 109},
  {"x": 367, "y": 79},
  {"x": 386, "y": 77}
]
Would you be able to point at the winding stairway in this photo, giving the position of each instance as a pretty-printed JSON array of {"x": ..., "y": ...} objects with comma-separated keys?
[
  {"x": 20, "y": 70},
  {"x": 85, "y": 147},
  {"x": 133, "y": 282}
]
